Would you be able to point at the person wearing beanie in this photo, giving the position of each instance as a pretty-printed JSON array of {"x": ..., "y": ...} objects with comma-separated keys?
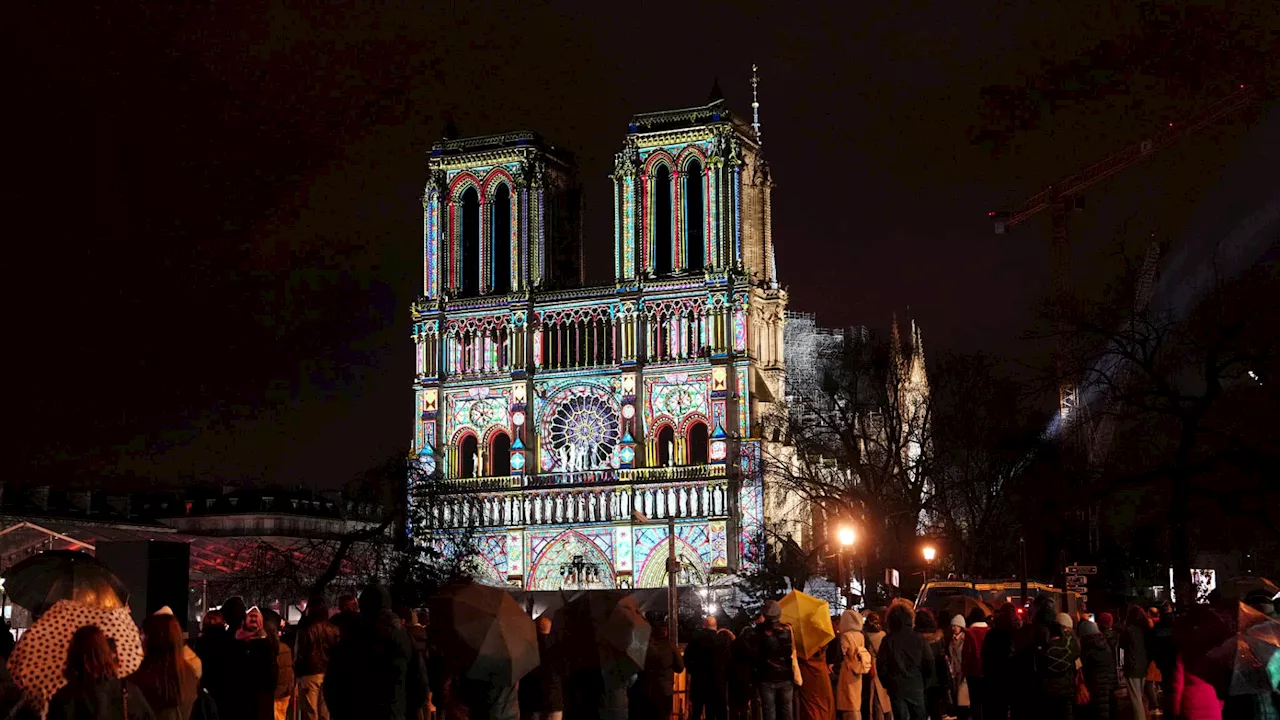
[
  {"x": 1098, "y": 665},
  {"x": 960, "y": 660},
  {"x": 772, "y": 653}
]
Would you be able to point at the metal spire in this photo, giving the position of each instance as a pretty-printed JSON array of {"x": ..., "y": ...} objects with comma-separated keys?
[{"x": 755, "y": 101}]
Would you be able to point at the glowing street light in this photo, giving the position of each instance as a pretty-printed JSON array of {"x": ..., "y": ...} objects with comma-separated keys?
[
  {"x": 846, "y": 536},
  {"x": 930, "y": 553}
]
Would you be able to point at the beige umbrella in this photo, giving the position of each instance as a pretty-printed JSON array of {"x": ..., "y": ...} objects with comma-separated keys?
[{"x": 40, "y": 656}]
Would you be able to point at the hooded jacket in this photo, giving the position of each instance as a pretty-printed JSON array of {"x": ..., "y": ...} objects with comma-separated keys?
[
  {"x": 905, "y": 661},
  {"x": 854, "y": 652}
]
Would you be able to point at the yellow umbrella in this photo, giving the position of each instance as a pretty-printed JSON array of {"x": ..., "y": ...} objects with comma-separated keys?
[{"x": 810, "y": 621}]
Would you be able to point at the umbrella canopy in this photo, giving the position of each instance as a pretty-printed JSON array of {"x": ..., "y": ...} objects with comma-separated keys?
[
  {"x": 40, "y": 656},
  {"x": 810, "y": 620},
  {"x": 607, "y": 629},
  {"x": 1248, "y": 587},
  {"x": 1251, "y": 655},
  {"x": 961, "y": 605},
  {"x": 53, "y": 575},
  {"x": 494, "y": 640}
]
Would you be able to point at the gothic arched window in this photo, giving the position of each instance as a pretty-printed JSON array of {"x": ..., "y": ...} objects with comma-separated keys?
[
  {"x": 470, "y": 249},
  {"x": 500, "y": 455},
  {"x": 694, "y": 212},
  {"x": 500, "y": 240},
  {"x": 666, "y": 446},
  {"x": 663, "y": 246},
  {"x": 699, "y": 444},
  {"x": 468, "y": 450}
]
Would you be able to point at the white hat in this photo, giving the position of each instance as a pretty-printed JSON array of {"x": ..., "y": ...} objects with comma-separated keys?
[
  {"x": 957, "y": 621},
  {"x": 1064, "y": 620}
]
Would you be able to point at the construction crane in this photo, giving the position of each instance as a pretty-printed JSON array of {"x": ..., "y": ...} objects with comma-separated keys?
[{"x": 1066, "y": 195}]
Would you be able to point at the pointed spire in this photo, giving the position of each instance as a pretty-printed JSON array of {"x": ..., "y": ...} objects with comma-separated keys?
[
  {"x": 716, "y": 94},
  {"x": 917, "y": 343},
  {"x": 755, "y": 101},
  {"x": 895, "y": 343}
]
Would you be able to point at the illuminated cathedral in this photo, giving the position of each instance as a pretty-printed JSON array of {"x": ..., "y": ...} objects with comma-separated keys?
[{"x": 570, "y": 423}]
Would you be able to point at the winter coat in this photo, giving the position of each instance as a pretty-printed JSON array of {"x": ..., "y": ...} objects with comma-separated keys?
[
  {"x": 315, "y": 643},
  {"x": 814, "y": 699},
  {"x": 1134, "y": 642},
  {"x": 1055, "y": 665},
  {"x": 542, "y": 690},
  {"x": 977, "y": 637},
  {"x": 651, "y": 695},
  {"x": 771, "y": 651},
  {"x": 217, "y": 650},
  {"x": 882, "y": 695},
  {"x": 904, "y": 663},
  {"x": 251, "y": 690},
  {"x": 374, "y": 673},
  {"x": 742, "y": 682},
  {"x": 699, "y": 655},
  {"x": 853, "y": 652},
  {"x": 997, "y": 658},
  {"x": 1098, "y": 665},
  {"x": 1193, "y": 698},
  {"x": 178, "y": 708},
  {"x": 105, "y": 700},
  {"x": 284, "y": 670}
]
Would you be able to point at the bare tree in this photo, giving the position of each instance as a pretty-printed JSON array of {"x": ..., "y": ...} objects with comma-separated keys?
[{"x": 1173, "y": 396}]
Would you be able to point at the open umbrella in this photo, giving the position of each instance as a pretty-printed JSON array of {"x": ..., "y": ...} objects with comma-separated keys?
[
  {"x": 42, "y": 580},
  {"x": 494, "y": 640},
  {"x": 1250, "y": 655},
  {"x": 962, "y": 605},
  {"x": 40, "y": 656},
  {"x": 810, "y": 620},
  {"x": 606, "y": 628}
]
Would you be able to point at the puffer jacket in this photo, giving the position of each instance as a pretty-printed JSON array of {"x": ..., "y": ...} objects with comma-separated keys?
[
  {"x": 315, "y": 644},
  {"x": 1055, "y": 665},
  {"x": 1099, "y": 667}
]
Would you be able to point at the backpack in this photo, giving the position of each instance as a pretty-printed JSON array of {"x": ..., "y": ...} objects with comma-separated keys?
[{"x": 861, "y": 663}]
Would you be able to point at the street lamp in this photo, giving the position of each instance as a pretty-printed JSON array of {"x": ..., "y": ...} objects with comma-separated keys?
[
  {"x": 930, "y": 554},
  {"x": 846, "y": 536}
]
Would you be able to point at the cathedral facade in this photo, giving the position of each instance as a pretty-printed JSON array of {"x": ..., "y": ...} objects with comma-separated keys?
[{"x": 568, "y": 424}]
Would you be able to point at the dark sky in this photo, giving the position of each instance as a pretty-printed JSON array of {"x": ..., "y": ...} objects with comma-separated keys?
[{"x": 219, "y": 232}]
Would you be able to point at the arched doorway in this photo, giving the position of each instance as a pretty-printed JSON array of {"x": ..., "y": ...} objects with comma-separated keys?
[
  {"x": 699, "y": 444},
  {"x": 666, "y": 446}
]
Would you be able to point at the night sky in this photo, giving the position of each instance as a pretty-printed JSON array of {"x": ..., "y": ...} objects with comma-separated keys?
[{"x": 219, "y": 228}]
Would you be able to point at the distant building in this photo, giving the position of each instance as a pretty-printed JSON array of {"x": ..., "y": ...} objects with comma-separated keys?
[{"x": 554, "y": 412}]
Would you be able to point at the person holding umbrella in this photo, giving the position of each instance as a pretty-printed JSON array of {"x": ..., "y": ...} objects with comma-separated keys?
[{"x": 94, "y": 690}]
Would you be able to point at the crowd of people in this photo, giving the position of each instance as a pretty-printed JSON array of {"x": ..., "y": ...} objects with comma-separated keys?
[{"x": 371, "y": 661}]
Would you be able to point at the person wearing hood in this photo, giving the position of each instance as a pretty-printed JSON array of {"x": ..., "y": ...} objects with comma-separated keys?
[
  {"x": 904, "y": 664},
  {"x": 773, "y": 652},
  {"x": 374, "y": 673},
  {"x": 1098, "y": 665},
  {"x": 253, "y": 671},
  {"x": 855, "y": 664},
  {"x": 962, "y": 659}
]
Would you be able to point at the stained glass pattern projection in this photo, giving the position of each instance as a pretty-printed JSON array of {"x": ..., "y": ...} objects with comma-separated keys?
[{"x": 581, "y": 431}]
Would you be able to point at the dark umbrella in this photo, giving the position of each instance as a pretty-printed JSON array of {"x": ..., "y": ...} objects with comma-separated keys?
[
  {"x": 485, "y": 632},
  {"x": 606, "y": 627},
  {"x": 53, "y": 575},
  {"x": 1250, "y": 656}
]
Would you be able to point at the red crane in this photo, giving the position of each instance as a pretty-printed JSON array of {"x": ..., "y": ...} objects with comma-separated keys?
[{"x": 1065, "y": 195}]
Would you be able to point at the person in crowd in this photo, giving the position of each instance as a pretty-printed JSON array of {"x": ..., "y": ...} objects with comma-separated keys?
[
  {"x": 165, "y": 677},
  {"x": 976, "y": 677},
  {"x": 722, "y": 658},
  {"x": 773, "y": 671},
  {"x": 743, "y": 690},
  {"x": 1134, "y": 643},
  {"x": 1068, "y": 631},
  {"x": 1163, "y": 651},
  {"x": 699, "y": 659},
  {"x": 652, "y": 694},
  {"x": 188, "y": 653},
  {"x": 816, "y": 701},
  {"x": 94, "y": 690},
  {"x": 348, "y": 613},
  {"x": 283, "y": 695},
  {"x": 937, "y": 689},
  {"x": 315, "y": 641},
  {"x": 216, "y": 648},
  {"x": 418, "y": 635},
  {"x": 875, "y": 705},
  {"x": 1055, "y": 665},
  {"x": 374, "y": 672},
  {"x": 997, "y": 662},
  {"x": 542, "y": 691},
  {"x": 962, "y": 662},
  {"x": 253, "y": 672},
  {"x": 1098, "y": 665},
  {"x": 904, "y": 664},
  {"x": 855, "y": 665}
]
